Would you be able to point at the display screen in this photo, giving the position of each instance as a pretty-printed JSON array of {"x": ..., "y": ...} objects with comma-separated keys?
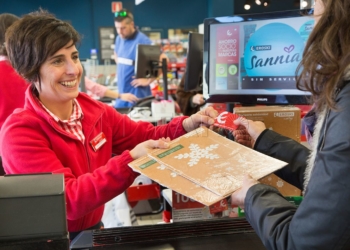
[
  {"x": 254, "y": 58},
  {"x": 194, "y": 62},
  {"x": 147, "y": 61}
]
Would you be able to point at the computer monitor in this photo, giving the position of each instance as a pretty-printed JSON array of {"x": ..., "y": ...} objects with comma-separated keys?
[
  {"x": 252, "y": 59},
  {"x": 147, "y": 61},
  {"x": 194, "y": 62}
]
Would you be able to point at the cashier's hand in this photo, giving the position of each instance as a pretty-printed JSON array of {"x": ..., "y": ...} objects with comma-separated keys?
[
  {"x": 248, "y": 131},
  {"x": 238, "y": 197},
  {"x": 143, "y": 148},
  {"x": 205, "y": 117},
  {"x": 139, "y": 82},
  {"x": 128, "y": 97}
]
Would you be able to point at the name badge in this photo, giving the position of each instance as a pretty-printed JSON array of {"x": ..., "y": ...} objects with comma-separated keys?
[
  {"x": 98, "y": 141},
  {"x": 125, "y": 61}
]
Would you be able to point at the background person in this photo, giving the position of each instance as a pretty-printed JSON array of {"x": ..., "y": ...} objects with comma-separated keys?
[
  {"x": 322, "y": 220},
  {"x": 125, "y": 54},
  {"x": 12, "y": 85},
  {"x": 189, "y": 101},
  {"x": 61, "y": 130}
]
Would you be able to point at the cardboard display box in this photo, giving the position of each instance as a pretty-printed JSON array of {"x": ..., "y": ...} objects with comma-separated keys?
[
  {"x": 284, "y": 187},
  {"x": 285, "y": 120},
  {"x": 186, "y": 209}
]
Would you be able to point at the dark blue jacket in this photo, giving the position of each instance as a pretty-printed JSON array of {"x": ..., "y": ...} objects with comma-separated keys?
[{"x": 322, "y": 221}]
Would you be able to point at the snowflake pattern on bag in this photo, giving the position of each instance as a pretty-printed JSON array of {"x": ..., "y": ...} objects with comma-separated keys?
[
  {"x": 214, "y": 162},
  {"x": 197, "y": 153}
]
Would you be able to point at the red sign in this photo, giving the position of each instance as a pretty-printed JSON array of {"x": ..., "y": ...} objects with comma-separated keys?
[
  {"x": 117, "y": 6},
  {"x": 219, "y": 206},
  {"x": 227, "y": 45},
  {"x": 183, "y": 202}
]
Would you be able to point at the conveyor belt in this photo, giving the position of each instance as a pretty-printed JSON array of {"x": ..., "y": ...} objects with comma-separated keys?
[
  {"x": 126, "y": 235},
  {"x": 207, "y": 234}
]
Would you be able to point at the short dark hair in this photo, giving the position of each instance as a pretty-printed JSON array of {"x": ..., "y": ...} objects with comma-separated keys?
[
  {"x": 34, "y": 38},
  {"x": 120, "y": 18},
  {"x": 6, "y": 20}
]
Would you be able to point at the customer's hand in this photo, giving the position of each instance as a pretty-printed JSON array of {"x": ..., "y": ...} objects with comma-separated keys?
[
  {"x": 248, "y": 131},
  {"x": 128, "y": 97},
  {"x": 238, "y": 197},
  {"x": 205, "y": 117},
  {"x": 139, "y": 82},
  {"x": 143, "y": 148},
  {"x": 198, "y": 99}
]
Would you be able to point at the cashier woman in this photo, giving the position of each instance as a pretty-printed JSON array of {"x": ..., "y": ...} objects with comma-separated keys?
[{"x": 60, "y": 130}]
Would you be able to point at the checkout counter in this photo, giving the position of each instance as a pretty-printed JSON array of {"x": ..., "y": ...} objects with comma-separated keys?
[
  {"x": 225, "y": 233},
  {"x": 50, "y": 231},
  {"x": 221, "y": 233}
]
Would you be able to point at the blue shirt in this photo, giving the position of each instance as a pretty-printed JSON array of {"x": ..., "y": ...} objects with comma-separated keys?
[{"x": 126, "y": 49}]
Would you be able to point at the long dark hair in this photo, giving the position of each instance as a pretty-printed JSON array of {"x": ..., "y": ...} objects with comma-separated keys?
[{"x": 326, "y": 56}]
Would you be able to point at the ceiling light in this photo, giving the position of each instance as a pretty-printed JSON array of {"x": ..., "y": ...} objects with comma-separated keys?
[
  {"x": 248, "y": 4},
  {"x": 266, "y": 3}
]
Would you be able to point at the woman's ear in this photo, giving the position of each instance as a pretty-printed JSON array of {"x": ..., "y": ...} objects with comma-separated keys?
[{"x": 36, "y": 84}]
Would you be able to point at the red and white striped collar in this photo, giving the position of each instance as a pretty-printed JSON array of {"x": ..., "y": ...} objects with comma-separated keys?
[{"x": 73, "y": 124}]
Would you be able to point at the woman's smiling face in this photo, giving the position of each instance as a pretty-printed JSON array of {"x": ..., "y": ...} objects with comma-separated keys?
[{"x": 60, "y": 76}]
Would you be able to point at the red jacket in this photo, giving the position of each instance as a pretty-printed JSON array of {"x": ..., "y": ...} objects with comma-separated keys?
[
  {"x": 32, "y": 142},
  {"x": 12, "y": 90}
]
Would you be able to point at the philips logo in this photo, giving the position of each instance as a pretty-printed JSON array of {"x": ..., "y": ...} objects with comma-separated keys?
[
  {"x": 262, "y": 99},
  {"x": 284, "y": 114}
]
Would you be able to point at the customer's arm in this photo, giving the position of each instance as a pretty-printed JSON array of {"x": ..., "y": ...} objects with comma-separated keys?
[
  {"x": 101, "y": 91},
  {"x": 321, "y": 220},
  {"x": 288, "y": 150},
  {"x": 185, "y": 99},
  {"x": 97, "y": 89}
]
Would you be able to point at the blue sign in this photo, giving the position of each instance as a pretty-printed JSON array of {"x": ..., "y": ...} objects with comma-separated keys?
[{"x": 268, "y": 53}]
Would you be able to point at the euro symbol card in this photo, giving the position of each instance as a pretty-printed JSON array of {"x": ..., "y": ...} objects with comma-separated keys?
[{"x": 225, "y": 120}]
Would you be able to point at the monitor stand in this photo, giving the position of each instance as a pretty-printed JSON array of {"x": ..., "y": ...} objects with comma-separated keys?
[
  {"x": 230, "y": 106},
  {"x": 165, "y": 78}
]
